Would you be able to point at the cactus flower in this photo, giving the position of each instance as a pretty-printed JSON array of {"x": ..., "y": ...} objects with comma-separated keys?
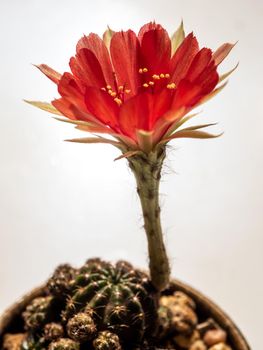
[{"x": 139, "y": 89}]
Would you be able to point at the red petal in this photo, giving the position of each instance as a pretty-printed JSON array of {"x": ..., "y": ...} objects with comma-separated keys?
[
  {"x": 190, "y": 92},
  {"x": 208, "y": 79},
  {"x": 87, "y": 68},
  {"x": 143, "y": 111},
  {"x": 95, "y": 44},
  {"x": 50, "y": 73},
  {"x": 187, "y": 95},
  {"x": 220, "y": 54},
  {"x": 147, "y": 27},
  {"x": 183, "y": 58},
  {"x": 65, "y": 107},
  {"x": 70, "y": 88},
  {"x": 124, "y": 49},
  {"x": 156, "y": 50},
  {"x": 102, "y": 106},
  {"x": 136, "y": 114},
  {"x": 73, "y": 112},
  {"x": 199, "y": 63},
  {"x": 202, "y": 71},
  {"x": 162, "y": 103}
]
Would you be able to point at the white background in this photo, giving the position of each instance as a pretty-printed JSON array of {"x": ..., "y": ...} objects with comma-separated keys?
[{"x": 67, "y": 202}]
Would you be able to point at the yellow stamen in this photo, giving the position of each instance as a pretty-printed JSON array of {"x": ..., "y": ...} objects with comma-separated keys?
[
  {"x": 108, "y": 87},
  {"x": 171, "y": 86},
  {"x": 143, "y": 70},
  {"x": 113, "y": 94},
  {"x": 118, "y": 101},
  {"x": 110, "y": 91},
  {"x": 167, "y": 75},
  {"x": 162, "y": 75},
  {"x": 120, "y": 88},
  {"x": 127, "y": 91},
  {"x": 156, "y": 77},
  {"x": 151, "y": 83},
  {"x": 145, "y": 85}
]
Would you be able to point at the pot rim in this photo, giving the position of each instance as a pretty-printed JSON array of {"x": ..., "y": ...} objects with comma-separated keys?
[{"x": 234, "y": 334}]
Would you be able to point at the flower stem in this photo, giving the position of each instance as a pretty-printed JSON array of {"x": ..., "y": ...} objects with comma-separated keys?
[{"x": 147, "y": 170}]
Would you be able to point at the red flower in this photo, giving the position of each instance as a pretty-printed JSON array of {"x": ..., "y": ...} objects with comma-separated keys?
[{"x": 137, "y": 88}]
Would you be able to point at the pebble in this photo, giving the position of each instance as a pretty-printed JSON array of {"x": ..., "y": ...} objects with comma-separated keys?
[
  {"x": 176, "y": 314},
  {"x": 13, "y": 341},
  {"x": 177, "y": 298},
  {"x": 184, "y": 319},
  {"x": 198, "y": 345},
  {"x": 220, "y": 346},
  {"x": 176, "y": 318},
  {"x": 207, "y": 325},
  {"x": 185, "y": 341},
  {"x": 215, "y": 336}
]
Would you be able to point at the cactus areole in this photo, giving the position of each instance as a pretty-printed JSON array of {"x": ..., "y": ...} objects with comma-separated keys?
[{"x": 135, "y": 92}]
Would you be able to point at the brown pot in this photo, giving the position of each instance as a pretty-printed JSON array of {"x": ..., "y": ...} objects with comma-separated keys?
[{"x": 205, "y": 307}]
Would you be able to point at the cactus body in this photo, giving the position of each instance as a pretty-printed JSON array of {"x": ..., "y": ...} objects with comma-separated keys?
[
  {"x": 38, "y": 312},
  {"x": 107, "y": 341},
  {"x": 60, "y": 283},
  {"x": 109, "y": 305},
  {"x": 53, "y": 331},
  {"x": 33, "y": 342},
  {"x": 64, "y": 344},
  {"x": 81, "y": 327},
  {"x": 118, "y": 296}
]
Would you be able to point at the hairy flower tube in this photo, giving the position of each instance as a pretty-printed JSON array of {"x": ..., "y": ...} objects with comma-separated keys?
[{"x": 136, "y": 92}]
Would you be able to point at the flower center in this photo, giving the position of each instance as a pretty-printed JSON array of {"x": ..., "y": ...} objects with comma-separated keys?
[
  {"x": 151, "y": 81},
  {"x": 118, "y": 93}
]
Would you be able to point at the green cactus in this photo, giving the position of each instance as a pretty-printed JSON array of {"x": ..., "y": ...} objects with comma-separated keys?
[
  {"x": 119, "y": 296},
  {"x": 109, "y": 306},
  {"x": 64, "y": 344},
  {"x": 81, "y": 327},
  {"x": 53, "y": 331},
  {"x": 107, "y": 341},
  {"x": 59, "y": 284},
  {"x": 33, "y": 342},
  {"x": 38, "y": 312}
]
